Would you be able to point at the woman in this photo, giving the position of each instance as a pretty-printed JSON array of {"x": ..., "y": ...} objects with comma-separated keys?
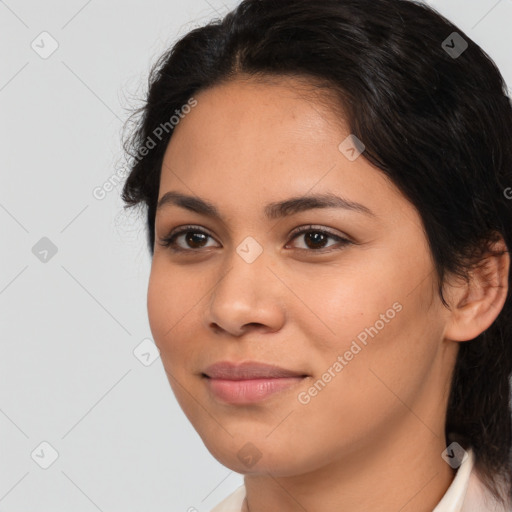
[{"x": 328, "y": 217}]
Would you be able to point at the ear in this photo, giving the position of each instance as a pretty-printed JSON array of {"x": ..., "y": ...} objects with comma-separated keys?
[{"x": 476, "y": 304}]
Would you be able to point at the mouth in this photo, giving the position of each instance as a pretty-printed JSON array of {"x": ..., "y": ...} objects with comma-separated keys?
[{"x": 249, "y": 382}]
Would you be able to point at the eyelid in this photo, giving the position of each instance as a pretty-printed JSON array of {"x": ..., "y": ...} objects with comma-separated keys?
[{"x": 316, "y": 227}]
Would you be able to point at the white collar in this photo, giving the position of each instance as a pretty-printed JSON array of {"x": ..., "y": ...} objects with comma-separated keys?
[{"x": 453, "y": 498}]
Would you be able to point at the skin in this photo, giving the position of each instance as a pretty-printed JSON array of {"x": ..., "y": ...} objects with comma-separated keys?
[{"x": 372, "y": 438}]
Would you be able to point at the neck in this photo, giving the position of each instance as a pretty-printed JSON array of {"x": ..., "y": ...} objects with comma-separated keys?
[{"x": 406, "y": 473}]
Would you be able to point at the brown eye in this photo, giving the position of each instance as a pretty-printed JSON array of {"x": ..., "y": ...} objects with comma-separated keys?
[
  {"x": 315, "y": 239},
  {"x": 193, "y": 237}
]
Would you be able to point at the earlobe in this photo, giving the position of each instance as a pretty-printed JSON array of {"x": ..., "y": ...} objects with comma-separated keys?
[{"x": 476, "y": 304}]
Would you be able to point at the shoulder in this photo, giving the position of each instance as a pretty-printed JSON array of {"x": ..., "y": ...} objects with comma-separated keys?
[{"x": 233, "y": 503}]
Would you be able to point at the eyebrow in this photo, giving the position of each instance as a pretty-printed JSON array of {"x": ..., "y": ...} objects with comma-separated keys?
[{"x": 274, "y": 210}]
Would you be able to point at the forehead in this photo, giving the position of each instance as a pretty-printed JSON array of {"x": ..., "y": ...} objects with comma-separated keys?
[
  {"x": 250, "y": 142},
  {"x": 240, "y": 116}
]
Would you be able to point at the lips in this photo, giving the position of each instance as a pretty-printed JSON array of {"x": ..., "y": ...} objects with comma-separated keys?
[
  {"x": 249, "y": 382},
  {"x": 248, "y": 370}
]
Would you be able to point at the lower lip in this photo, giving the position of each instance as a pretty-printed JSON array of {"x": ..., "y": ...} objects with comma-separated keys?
[{"x": 251, "y": 390}]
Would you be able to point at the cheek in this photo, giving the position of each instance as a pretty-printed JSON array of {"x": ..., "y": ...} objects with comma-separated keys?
[
  {"x": 367, "y": 397},
  {"x": 383, "y": 328},
  {"x": 158, "y": 308},
  {"x": 170, "y": 307},
  {"x": 346, "y": 302}
]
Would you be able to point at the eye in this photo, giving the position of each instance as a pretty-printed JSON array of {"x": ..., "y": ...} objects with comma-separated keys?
[
  {"x": 196, "y": 238},
  {"x": 192, "y": 235},
  {"x": 316, "y": 237}
]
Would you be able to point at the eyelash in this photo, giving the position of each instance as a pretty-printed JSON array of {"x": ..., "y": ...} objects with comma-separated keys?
[{"x": 169, "y": 241}]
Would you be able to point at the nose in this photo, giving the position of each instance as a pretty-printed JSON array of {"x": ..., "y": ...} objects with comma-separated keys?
[{"x": 246, "y": 296}]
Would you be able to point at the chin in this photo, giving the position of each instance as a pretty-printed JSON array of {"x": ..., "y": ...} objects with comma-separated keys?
[{"x": 258, "y": 457}]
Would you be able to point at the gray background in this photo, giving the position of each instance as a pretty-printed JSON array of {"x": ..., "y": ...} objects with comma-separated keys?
[{"x": 72, "y": 323}]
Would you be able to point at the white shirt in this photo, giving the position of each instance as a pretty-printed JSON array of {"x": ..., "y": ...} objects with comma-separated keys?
[{"x": 465, "y": 494}]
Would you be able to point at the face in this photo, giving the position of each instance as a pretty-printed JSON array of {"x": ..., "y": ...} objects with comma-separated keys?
[{"x": 347, "y": 306}]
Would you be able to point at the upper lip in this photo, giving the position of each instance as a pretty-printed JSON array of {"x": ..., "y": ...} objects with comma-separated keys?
[{"x": 248, "y": 370}]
